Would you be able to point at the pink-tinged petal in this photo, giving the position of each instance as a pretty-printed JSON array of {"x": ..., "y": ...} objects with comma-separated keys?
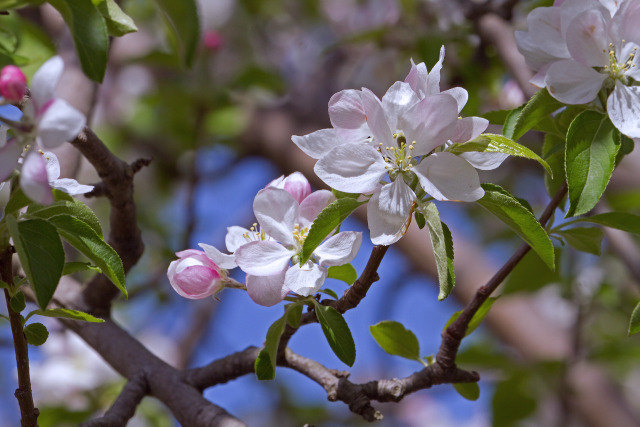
[
  {"x": 45, "y": 81},
  {"x": 538, "y": 78},
  {"x": 460, "y": 95},
  {"x": 9, "y": 155},
  {"x": 388, "y": 212},
  {"x": 430, "y": 123},
  {"x": 339, "y": 249},
  {"x": 352, "y": 168},
  {"x": 70, "y": 186},
  {"x": 433, "y": 81},
  {"x": 395, "y": 102},
  {"x": 545, "y": 29},
  {"x": 534, "y": 55},
  {"x": 222, "y": 260},
  {"x": 469, "y": 128},
  {"x": 34, "y": 180},
  {"x": 572, "y": 8},
  {"x": 376, "y": 118},
  {"x": 191, "y": 279},
  {"x": 626, "y": 23},
  {"x": 305, "y": 280},
  {"x": 417, "y": 78},
  {"x": 298, "y": 186},
  {"x": 347, "y": 116},
  {"x": 13, "y": 83},
  {"x": 267, "y": 290},
  {"x": 623, "y": 107},
  {"x": 311, "y": 207},
  {"x": 236, "y": 237},
  {"x": 318, "y": 143},
  {"x": 277, "y": 212},
  {"x": 264, "y": 258},
  {"x": 52, "y": 165},
  {"x": 587, "y": 39},
  {"x": 59, "y": 123},
  {"x": 484, "y": 161},
  {"x": 446, "y": 176},
  {"x": 573, "y": 83}
]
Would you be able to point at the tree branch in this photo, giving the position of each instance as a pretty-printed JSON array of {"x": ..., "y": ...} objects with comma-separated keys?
[{"x": 124, "y": 408}]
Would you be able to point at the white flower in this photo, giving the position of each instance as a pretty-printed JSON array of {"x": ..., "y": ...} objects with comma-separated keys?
[{"x": 272, "y": 266}]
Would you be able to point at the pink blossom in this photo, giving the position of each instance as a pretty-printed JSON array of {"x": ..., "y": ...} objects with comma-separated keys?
[
  {"x": 13, "y": 83},
  {"x": 212, "y": 40},
  {"x": 194, "y": 275}
]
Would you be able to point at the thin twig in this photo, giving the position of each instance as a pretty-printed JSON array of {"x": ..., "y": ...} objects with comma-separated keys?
[{"x": 124, "y": 407}]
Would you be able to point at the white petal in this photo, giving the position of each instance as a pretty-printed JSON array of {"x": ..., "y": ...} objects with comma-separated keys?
[
  {"x": 277, "y": 212},
  {"x": 534, "y": 55},
  {"x": 45, "y": 81},
  {"x": 376, "y": 118},
  {"x": 433, "y": 81},
  {"x": 264, "y": 258},
  {"x": 9, "y": 155},
  {"x": 236, "y": 237},
  {"x": 430, "y": 123},
  {"x": 59, "y": 123},
  {"x": 70, "y": 186},
  {"x": 587, "y": 39},
  {"x": 34, "y": 180},
  {"x": 52, "y": 165},
  {"x": 267, "y": 290},
  {"x": 469, "y": 128},
  {"x": 544, "y": 25},
  {"x": 417, "y": 78},
  {"x": 446, "y": 176},
  {"x": 305, "y": 280},
  {"x": 460, "y": 95},
  {"x": 318, "y": 143},
  {"x": 623, "y": 107},
  {"x": 573, "y": 83},
  {"x": 339, "y": 249},
  {"x": 484, "y": 161},
  {"x": 347, "y": 116},
  {"x": 353, "y": 168},
  {"x": 388, "y": 212},
  {"x": 225, "y": 261},
  {"x": 396, "y": 101},
  {"x": 313, "y": 205}
]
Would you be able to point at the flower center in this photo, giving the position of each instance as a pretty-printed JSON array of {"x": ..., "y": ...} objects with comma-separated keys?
[
  {"x": 300, "y": 234},
  {"x": 616, "y": 68},
  {"x": 255, "y": 234},
  {"x": 398, "y": 159}
]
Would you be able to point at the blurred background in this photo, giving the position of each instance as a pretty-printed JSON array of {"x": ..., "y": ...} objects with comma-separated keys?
[{"x": 553, "y": 352}]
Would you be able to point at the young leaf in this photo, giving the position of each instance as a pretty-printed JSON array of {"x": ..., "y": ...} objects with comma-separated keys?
[
  {"x": 420, "y": 219},
  {"x": 265, "y": 365},
  {"x": 539, "y": 106},
  {"x": 620, "y": 220},
  {"x": 585, "y": 239},
  {"x": 182, "y": 17},
  {"x": 18, "y": 200},
  {"x": 74, "y": 208},
  {"x": 337, "y": 332},
  {"x": 626, "y": 146},
  {"x": 477, "y": 318},
  {"x": 82, "y": 237},
  {"x": 510, "y": 121},
  {"x": 347, "y": 273},
  {"x": 329, "y": 292},
  {"x": 470, "y": 391},
  {"x": 41, "y": 254},
  {"x": 294, "y": 314},
  {"x": 17, "y": 302},
  {"x": 36, "y": 333},
  {"x": 396, "y": 340},
  {"x": 330, "y": 218},
  {"x": 509, "y": 210},
  {"x": 553, "y": 153},
  {"x": 118, "y": 22},
  {"x": 89, "y": 31},
  {"x": 65, "y": 313},
  {"x": 634, "y": 324},
  {"x": 77, "y": 266},
  {"x": 592, "y": 145},
  {"x": 442, "y": 245}
]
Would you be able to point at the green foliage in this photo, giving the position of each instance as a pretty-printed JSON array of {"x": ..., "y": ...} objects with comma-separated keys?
[
  {"x": 41, "y": 255},
  {"x": 585, "y": 239},
  {"x": 553, "y": 153},
  {"x": 620, "y": 220},
  {"x": 118, "y": 22},
  {"x": 347, "y": 273},
  {"x": 512, "y": 401},
  {"x": 77, "y": 266},
  {"x": 17, "y": 302},
  {"x": 182, "y": 17},
  {"x": 470, "y": 391},
  {"x": 327, "y": 221},
  {"x": 510, "y": 121},
  {"x": 73, "y": 208},
  {"x": 442, "y": 244},
  {"x": 337, "y": 332},
  {"x": 36, "y": 333},
  {"x": 65, "y": 313},
  {"x": 396, "y": 340},
  {"x": 531, "y": 274},
  {"x": 477, "y": 318},
  {"x": 514, "y": 214},
  {"x": 634, "y": 323},
  {"x": 17, "y": 201},
  {"x": 539, "y": 107},
  {"x": 592, "y": 145}
]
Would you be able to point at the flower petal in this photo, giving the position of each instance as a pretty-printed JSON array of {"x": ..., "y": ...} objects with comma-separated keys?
[
  {"x": 193, "y": 282},
  {"x": 267, "y": 290},
  {"x": 376, "y": 118},
  {"x": 469, "y": 128},
  {"x": 338, "y": 249},
  {"x": 417, "y": 78},
  {"x": 396, "y": 101},
  {"x": 59, "y": 123},
  {"x": 484, "y": 161},
  {"x": 430, "y": 123},
  {"x": 220, "y": 259},
  {"x": 347, "y": 116},
  {"x": 70, "y": 186},
  {"x": 353, "y": 168},
  {"x": 446, "y": 176},
  {"x": 433, "y": 81},
  {"x": 318, "y": 143},
  {"x": 277, "y": 212},
  {"x": 460, "y": 95},
  {"x": 623, "y": 107},
  {"x": 305, "y": 280},
  {"x": 9, "y": 155},
  {"x": 545, "y": 28},
  {"x": 573, "y": 83},
  {"x": 236, "y": 237},
  {"x": 34, "y": 180},
  {"x": 388, "y": 212},
  {"x": 264, "y": 258},
  {"x": 313, "y": 205},
  {"x": 45, "y": 81},
  {"x": 587, "y": 38}
]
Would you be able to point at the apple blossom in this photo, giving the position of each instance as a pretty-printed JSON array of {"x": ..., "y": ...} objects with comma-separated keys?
[
  {"x": 13, "y": 83},
  {"x": 194, "y": 275},
  {"x": 273, "y": 266}
]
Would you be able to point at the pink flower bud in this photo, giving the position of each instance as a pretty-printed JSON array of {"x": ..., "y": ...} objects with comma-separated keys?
[
  {"x": 295, "y": 184},
  {"x": 194, "y": 275},
  {"x": 13, "y": 83},
  {"x": 212, "y": 40}
]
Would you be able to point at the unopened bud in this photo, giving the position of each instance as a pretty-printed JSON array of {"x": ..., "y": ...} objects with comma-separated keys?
[
  {"x": 13, "y": 83},
  {"x": 212, "y": 40}
]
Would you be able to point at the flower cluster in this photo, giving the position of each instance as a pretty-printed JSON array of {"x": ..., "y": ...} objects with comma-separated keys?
[
  {"x": 587, "y": 50},
  {"x": 45, "y": 122},
  {"x": 269, "y": 252}
]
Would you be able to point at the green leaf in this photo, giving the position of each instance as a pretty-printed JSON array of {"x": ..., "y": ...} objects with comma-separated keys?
[
  {"x": 492, "y": 143},
  {"x": 337, "y": 332},
  {"x": 346, "y": 272},
  {"x": 18, "y": 200},
  {"x": 395, "y": 339},
  {"x": 41, "y": 255},
  {"x": 330, "y": 218},
  {"x": 294, "y": 314},
  {"x": 539, "y": 106},
  {"x": 77, "y": 266},
  {"x": 329, "y": 292},
  {"x": 585, "y": 239},
  {"x": 553, "y": 153},
  {"x": 342, "y": 194},
  {"x": 477, "y": 318},
  {"x": 442, "y": 245},
  {"x": 620, "y": 220},
  {"x": 73, "y": 208},
  {"x": 509, "y": 210},
  {"x": 510, "y": 121},
  {"x": 592, "y": 145},
  {"x": 531, "y": 274},
  {"x": 118, "y": 22},
  {"x": 265, "y": 365},
  {"x": 626, "y": 147},
  {"x": 420, "y": 219},
  {"x": 36, "y": 333},
  {"x": 14, "y": 4},
  {"x": 17, "y": 302},
  {"x": 182, "y": 17},
  {"x": 496, "y": 117},
  {"x": 470, "y": 391},
  {"x": 634, "y": 324},
  {"x": 89, "y": 31},
  {"x": 82, "y": 237},
  {"x": 65, "y": 313}
]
